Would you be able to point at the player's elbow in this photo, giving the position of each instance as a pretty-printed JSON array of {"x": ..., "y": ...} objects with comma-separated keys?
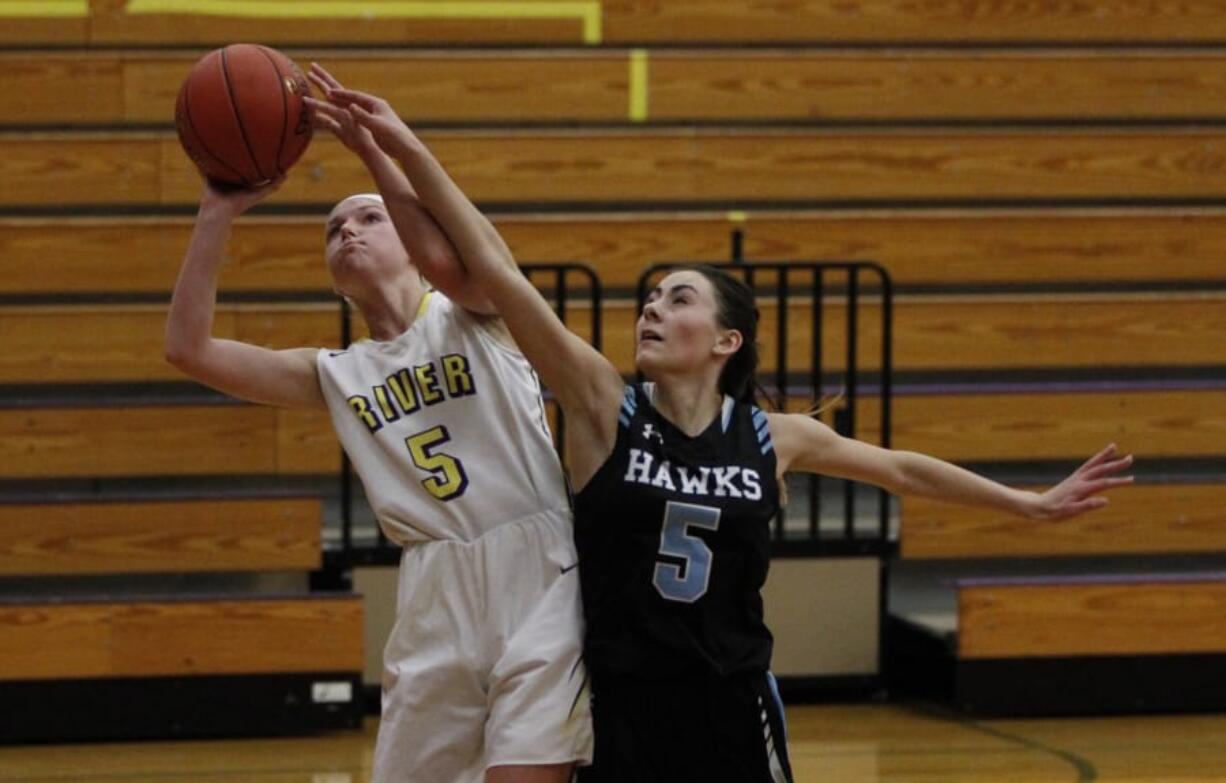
[
  {"x": 176, "y": 356},
  {"x": 184, "y": 355},
  {"x": 442, "y": 269},
  {"x": 905, "y": 474}
]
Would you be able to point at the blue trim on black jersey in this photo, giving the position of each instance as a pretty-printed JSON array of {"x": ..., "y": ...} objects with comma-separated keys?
[
  {"x": 762, "y": 430},
  {"x": 628, "y": 407}
]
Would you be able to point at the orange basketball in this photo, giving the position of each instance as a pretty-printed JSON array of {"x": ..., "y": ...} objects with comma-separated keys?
[{"x": 240, "y": 114}]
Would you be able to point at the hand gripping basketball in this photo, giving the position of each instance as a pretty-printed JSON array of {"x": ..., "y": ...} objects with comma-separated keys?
[{"x": 241, "y": 117}]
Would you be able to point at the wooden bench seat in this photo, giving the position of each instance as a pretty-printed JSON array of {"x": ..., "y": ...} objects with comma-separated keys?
[
  {"x": 1175, "y": 613},
  {"x": 180, "y": 636},
  {"x": 176, "y": 666},
  {"x": 103, "y": 22},
  {"x": 1072, "y": 644},
  {"x": 1028, "y": 424},
  {"x": 569, "y": 86},
  {"x": 1143, "y": 519},
  {"x": 124, "y": 342},
  {"x": 210, "y": 440},
  {"x": 102, "y": 343},
  {"x": 660, "y": 167},
  {"x": 985, "y": 333},
  {"x": 159, "y": 536},
  {"x": 165, "y": 440},
  {"x": 930, "y": 248},
  {"x": 862, "y": 21}
]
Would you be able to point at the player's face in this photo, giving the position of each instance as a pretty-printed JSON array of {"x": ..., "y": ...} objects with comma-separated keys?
[
  {"x": 679, "y": 329},
  {"x": 362, "y": 245}
]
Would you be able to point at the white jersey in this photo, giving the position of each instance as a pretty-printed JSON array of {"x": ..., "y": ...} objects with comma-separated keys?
[{"x": 445, "y": 426}]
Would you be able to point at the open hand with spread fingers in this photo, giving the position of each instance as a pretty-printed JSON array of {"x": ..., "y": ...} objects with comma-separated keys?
[
  {"x": 368, "y": 112},
  {"x": 335, "y": 117},
  {"x": 1081, "y": 491}
]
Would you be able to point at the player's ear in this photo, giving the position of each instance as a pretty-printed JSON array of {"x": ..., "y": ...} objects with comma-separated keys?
[{"x": 728, "y": 342}]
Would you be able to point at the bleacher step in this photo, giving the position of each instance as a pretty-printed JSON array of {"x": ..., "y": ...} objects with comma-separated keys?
[
  {"x": 111, "y": 667},
  {"x": 1082, "y": 644}
]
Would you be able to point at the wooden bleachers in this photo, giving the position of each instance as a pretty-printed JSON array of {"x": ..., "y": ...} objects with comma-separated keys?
[
  {"x": 181, "y": 665},
  {"x": 159, "y": 536},
  {"x": 1124, "y": 642},
  {"x": 69, "y": 343},
  {"x": 1117, "y": 615},
  {"x": 208, "y": 440},
  {"x": 186, "y": 662},
  {"x": 1041, "y": 180},
  {"x": 683, "y": 167},
  {"x": 982, "y": 426},
  {"x": 143, "y": 439},
  {"x": 935, "y": 249},
  {"x": 1146, "y": 519},
  {"x": 108, "y": 343},
  {"x": 622, "y": 22},
  {"x": 111, "y": 87},
  {"x": 180, "y": 637}
]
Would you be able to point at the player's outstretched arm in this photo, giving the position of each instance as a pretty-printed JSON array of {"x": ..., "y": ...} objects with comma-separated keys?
[
  {"x": 249, "y": 372},
  {"x": 430, "y": 249},
  {"x": 806, "y": 445}
]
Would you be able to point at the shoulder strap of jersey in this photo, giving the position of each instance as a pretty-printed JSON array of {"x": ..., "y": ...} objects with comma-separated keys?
[
  {"x": 424, "y": 306},
  {"x": 629, "y": 406}
]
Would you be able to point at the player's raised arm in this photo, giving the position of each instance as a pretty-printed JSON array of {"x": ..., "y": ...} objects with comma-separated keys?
[
  {"x": 249, "y": 372},
  {"x": 806, "y": 445},
  {"x": 430, "y": 249},
  {"x": 587, "y": 385}
]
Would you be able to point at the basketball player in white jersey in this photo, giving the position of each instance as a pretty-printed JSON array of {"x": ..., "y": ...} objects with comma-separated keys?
[{"x": 443, "y": 420}]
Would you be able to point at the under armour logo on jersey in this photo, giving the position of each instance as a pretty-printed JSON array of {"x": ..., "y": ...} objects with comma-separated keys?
[{"x": 650, "y": 431}]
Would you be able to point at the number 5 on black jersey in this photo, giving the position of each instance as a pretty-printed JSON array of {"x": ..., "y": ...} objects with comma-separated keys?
[{"x": 686, "y": 582}]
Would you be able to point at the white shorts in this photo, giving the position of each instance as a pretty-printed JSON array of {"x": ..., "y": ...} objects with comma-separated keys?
[{"x": 483, "y": 666}]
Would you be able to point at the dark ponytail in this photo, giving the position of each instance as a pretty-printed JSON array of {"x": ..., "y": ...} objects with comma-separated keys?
[{"x": 736, "y": 310}]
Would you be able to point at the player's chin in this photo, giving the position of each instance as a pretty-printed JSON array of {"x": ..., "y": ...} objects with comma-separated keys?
[
  {"x": 647, "y": 355},
  {"x": 654, "y": 360}
]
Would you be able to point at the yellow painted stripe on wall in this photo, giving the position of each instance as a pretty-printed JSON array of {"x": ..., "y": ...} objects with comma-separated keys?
[
  {"x": 44, "y": 8},
  {"x": 638, "y": 85},
  {"x": 587, "y": 11}
]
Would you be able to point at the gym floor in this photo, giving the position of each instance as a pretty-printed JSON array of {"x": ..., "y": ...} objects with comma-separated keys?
[{"x": 841, "y": 743}]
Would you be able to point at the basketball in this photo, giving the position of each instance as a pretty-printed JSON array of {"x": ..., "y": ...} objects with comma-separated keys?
[{"x": 240, "y": 115}]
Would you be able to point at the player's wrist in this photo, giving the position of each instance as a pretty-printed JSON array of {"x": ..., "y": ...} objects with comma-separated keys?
[
  {"x": 216, "y": 208},
  {"x": 409, "y": 149}
]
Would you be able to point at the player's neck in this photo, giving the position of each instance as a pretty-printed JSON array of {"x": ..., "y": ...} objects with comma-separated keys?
[
  {"x": 390, "y": 310},
  {"x": 690, "y": 404}
]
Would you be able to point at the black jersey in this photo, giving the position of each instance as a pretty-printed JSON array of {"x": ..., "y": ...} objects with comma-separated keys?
[{"x": 673, "y": 538}]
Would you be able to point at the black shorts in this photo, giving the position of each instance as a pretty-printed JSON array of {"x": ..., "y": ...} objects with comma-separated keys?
[{"x": 688, "y": 730}]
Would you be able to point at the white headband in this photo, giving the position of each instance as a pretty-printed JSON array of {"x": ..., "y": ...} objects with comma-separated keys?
[{"x": 369, "y": 196}]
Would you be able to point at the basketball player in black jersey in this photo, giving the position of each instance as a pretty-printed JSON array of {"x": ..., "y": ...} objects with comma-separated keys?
[{"x": 675, "y": 483}]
